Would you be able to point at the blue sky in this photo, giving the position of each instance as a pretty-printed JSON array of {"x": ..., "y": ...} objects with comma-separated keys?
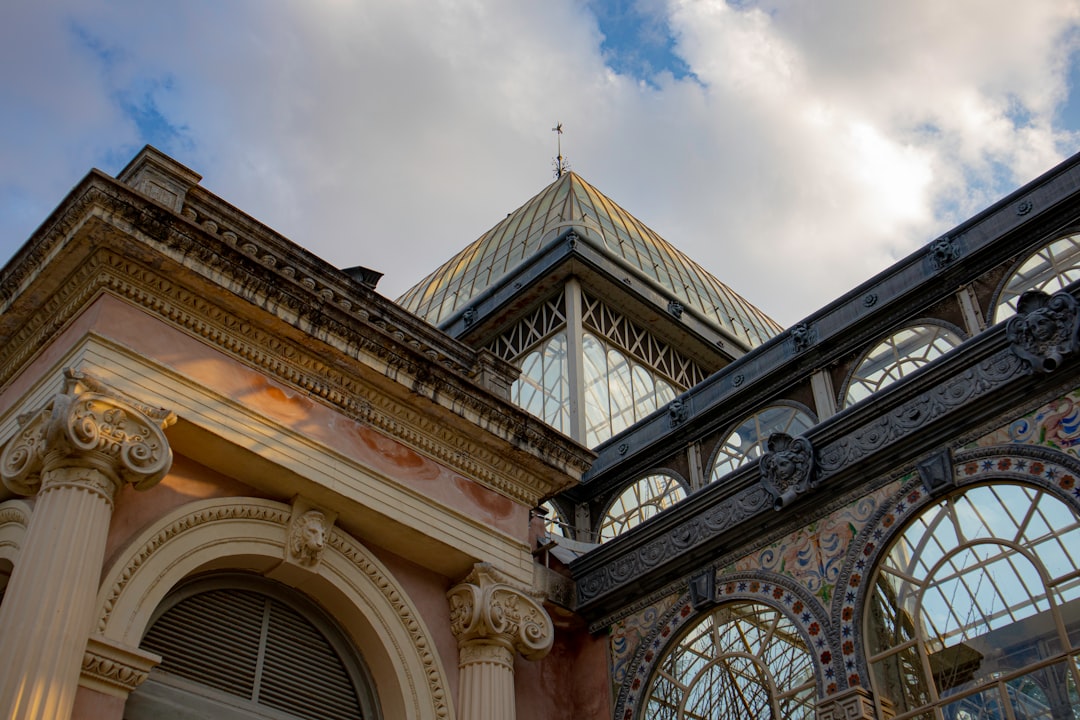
[{"x": 792, "y": 147}]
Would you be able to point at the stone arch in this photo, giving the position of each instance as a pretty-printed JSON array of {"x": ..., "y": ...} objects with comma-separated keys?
[
  {"x": 764, "y": 588},
  {"x": 1049, "y": 470},
  {"x": 250, "y": 534}
]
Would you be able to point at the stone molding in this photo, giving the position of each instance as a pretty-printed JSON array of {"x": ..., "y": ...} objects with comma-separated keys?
[
  {"x": 853, "y": 704},
  {"x": 485, "y": 610},
  {"x": 87, "y": 428},
  {"x": 525, "y": 477},
  {"x": 114, "y": 669},
  {"x": 148, "y": 568}
]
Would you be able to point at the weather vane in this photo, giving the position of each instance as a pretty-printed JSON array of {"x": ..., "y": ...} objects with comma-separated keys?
[{"x": 561, "y": 165}]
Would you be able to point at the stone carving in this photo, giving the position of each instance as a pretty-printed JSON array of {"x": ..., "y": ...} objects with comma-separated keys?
[
  {"x": 307, "y": 538},
  {"x": 1044, "y": 329},
  {"x": 675, "y": 308},
  {"x": 943, "y": 251},
  {"x": 469, "y": 316},
  {"x": 485, "y": 609},
  {"x": 854, "y": 704},
  {"x": 787, "y": 469},
  {"x": 86, "y": 426},
  {"x": 803, "y": 336},
  {"x": 115, "y": 670}
]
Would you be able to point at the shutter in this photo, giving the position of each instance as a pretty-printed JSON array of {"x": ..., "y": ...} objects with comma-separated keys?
[{"x": 258, "y": 648}]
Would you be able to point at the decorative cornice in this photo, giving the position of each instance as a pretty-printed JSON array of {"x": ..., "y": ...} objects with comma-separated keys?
[
  {"x": 485, "y": 610},
  {"x": 87, "y": 426},
  {"x": 113, "y": 669},
  {"x": 285, "y": 356},
  {"x": 720, "y": 509}
]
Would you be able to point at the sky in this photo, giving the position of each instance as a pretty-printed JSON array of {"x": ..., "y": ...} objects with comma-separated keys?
[{"x": 794, "y": 148}]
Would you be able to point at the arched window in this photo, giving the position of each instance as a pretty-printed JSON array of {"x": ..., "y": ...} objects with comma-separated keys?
[
  {"x": 1050, "y": 269},
  {"x": 243, "y": 647},
  {"x": 747, "y": 440},
  {"x": 618, "y": 391},
  {"x": 975, "y": 609},
  {"x": 554, "y": 522},
  {"x": 898, "y": 355},
  {"x": 543, "y": 388},
  {"x": 639, "y": 502},
  {"x": 743, "y": 660}
]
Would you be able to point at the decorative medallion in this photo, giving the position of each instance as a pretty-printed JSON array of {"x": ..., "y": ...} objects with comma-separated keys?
[
  {"x": 787, "y": 469},
  {"x": 1044, "y": 329}
]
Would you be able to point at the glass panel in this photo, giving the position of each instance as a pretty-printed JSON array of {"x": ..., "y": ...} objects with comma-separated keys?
[
  {"x": 1050, "y": 269},
  {"x": 991, "y": 574},
  {"x": 740, "y": 661},
  {"x": 897, "y": 356},
  {"x": 645, "y": 498}
]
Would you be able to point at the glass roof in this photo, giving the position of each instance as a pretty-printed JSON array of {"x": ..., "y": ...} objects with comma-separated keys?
[{"x": 570, "y": 201}]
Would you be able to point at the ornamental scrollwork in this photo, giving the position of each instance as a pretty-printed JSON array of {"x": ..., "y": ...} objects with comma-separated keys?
[
  {"x": 484, "y": 608},
  {"x": 787, "y": 469},
  {"x": 85, "y": 426},
  {"x": 1044, "y": 329}
]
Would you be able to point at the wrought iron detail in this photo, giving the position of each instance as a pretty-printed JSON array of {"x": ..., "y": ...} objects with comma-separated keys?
[
  {"x": 1024, "y": 207},
  {"x": 803, "y": 336},
  {"x": 678, "y": 411},
  {"x": 675, "y": 308},
  {"x": 1044, "y": 329},
  {"x": 469, "y": 316},
  {"x": 943, "y": 251},
  {"x": 936, "y": 472},
  {"x": 787, "y": 468},
  {"x": 703, "y": 588}
]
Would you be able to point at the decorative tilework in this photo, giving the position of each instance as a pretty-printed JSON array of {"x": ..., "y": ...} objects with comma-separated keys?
[
  {"x": 812, "y": 556},
  {"x": 626, "y": 636},
  {"x": 1055, "y": 425}
]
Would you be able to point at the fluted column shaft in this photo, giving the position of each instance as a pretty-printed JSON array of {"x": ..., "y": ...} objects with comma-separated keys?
[
  {"x": 492, "y": 620},
  {"x": 75, "y": 453}
]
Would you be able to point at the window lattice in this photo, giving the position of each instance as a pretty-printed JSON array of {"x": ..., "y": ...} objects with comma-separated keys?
[
  {"x": 898, "y": 355},
  {"x": 744, "y": 660},
  {"x": 975, "y": 610},
  {"x": 618, "y": 392},
  {"x": 1050, "y": 269},
  {"x": 639, "y": 502},
  {"x": 547, "y": 318},
  {"x": 617, "y": 328}
]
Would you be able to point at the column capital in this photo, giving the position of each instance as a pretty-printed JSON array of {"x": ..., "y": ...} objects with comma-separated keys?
[
  {"x": 486, "y": 610},
  {"x": 88, "y": 426}
]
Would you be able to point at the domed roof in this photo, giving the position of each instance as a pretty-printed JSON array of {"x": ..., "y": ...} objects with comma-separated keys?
[{"x": 572, "y": 202}]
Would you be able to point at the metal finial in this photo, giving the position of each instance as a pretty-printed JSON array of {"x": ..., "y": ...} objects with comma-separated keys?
[{"x": 561, "y": 165}]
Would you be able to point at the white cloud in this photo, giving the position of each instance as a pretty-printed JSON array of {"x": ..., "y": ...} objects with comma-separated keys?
[{"x": 815, "y": 143}]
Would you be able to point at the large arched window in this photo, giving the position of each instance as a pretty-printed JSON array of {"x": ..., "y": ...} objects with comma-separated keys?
[
  {"x": 241, "y": 647},
  {"x": 639, "y": 502},
  {"x": 1050, "y": 269},
  {"x": 748, "y": 439},
  {"x": 900, "y": 354},
  {"x": 742, "y": 660},
  {"x": 975, "y": 609}
]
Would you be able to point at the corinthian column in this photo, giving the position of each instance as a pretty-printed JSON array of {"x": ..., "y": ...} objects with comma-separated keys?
[
  {"x": 74, "y": 454},
  {"x": 492, "y": 620}
]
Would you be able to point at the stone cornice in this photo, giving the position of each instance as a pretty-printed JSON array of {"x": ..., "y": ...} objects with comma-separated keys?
[{"x": 371, "y": 359}]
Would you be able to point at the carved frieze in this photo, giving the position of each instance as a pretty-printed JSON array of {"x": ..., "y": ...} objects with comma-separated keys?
[{"x": 1044, "y": 329}]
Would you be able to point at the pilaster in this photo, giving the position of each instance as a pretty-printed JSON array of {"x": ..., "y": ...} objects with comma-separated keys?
[
  {"x": 74, "y": 454},
  {"x": 492, "y": 620}
]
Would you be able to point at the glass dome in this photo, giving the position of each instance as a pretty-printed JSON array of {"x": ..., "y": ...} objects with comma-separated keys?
[{"x": 572, "y": 202}]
